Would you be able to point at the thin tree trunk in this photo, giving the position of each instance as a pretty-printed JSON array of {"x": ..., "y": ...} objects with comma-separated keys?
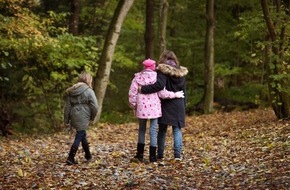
[
  {"x": 163, "y": 10},
  {"x": 105, "y": 62},
  {"x": 149, "y": 32},
  {"x": 279, "y": 96},
  {"x": 209, "y": 57},
  {"x": 74, "y": 18}
]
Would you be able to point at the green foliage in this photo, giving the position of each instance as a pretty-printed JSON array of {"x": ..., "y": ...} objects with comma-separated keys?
[
  {"x": 193, "y": 97},
  {"x": 116, "y": 99},
  {"x": 39, "y": 59},
  {"x": 223, "y": 70},
  {"x": 131, "y": 42},
  {"x": 253, "y": 93},
  {"x": 95, "y": 17},
  {"x": 36, "y": 68},
  {"x": 56, "y": 23},
  {"x": 117, "y": 117}
]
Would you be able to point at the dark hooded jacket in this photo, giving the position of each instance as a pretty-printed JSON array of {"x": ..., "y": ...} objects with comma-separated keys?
[
  {"x": 81, "y": 106},
  {"x": 173, "y": 79}
]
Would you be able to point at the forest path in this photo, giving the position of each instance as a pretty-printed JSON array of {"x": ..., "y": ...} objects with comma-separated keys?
[{"x": 237, "y": 150}]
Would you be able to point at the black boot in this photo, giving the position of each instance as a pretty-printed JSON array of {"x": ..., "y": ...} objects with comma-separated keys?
[
  {"x": 86, "y": 148},
  {"x": 152, "y": 154},
  {"x": 140, "y": 151},
  {"x": 71, "y": 156}
]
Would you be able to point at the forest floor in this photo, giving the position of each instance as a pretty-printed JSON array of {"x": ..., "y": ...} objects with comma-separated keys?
[{"x": 237, "y": 150}]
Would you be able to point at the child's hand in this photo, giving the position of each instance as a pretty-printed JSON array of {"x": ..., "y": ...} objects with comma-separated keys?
[
  {"x": 179, "y": 94},
  {"x": 68, "y": 128}
]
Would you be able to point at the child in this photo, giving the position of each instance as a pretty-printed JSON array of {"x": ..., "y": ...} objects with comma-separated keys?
[
  {"x": 81, "y": 107},
  {"x": 147, "y": 106}
]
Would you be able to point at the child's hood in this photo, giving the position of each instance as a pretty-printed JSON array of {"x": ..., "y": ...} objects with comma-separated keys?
[
  {"x": 145, "y": 77},
  {"x": 77, "y": 89}
]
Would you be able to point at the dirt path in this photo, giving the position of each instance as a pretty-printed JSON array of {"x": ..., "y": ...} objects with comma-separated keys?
[{"x": 238, "y": 150}]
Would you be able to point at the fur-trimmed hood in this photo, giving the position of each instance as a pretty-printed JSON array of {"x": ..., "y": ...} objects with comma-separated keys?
[
  {"x": 173, "y": 71},
  {"x": 77, "y": 89}
]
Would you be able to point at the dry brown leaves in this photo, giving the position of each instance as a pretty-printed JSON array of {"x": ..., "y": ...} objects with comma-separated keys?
[{"x": 238, "y": 150}]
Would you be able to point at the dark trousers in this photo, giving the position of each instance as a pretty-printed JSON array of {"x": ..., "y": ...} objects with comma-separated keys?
[{"x": 81, "y": 136}]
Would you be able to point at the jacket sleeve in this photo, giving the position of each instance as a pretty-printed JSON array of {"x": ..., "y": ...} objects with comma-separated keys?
[
  {"x": 93, "y": 104},
  {"x": 165, "y": 94},
  {"x": 133, "y": 93},
  {"x": 67, "y": 107},
  {"x": 184, "y": 90},
  {"x": 157, "y": 86}
]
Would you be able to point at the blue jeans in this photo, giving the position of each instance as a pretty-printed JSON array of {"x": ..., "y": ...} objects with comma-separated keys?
[
  {"x": 177, "y": 141},
  {"x": 153, "y": 131},
  {"x": 81, "y": 136}
]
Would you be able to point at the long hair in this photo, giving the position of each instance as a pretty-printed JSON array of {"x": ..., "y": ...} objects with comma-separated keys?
[
  {"x": 86, "y": 78},
  {"x": 168, "y": 55}
]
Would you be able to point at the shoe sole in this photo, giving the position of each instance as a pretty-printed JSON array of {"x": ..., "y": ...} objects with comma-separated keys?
[{"x": 71, "y": 163}]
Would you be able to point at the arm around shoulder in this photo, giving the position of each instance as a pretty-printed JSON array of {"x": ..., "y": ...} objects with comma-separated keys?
[
  {"x": 165, "y": 94},
  {"x": 157, "y": 86}
]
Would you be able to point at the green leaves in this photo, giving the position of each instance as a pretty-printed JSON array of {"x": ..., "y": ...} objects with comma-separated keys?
[
  {"x": 222, "y": 70},
  {"x": 38, "y": 61}
]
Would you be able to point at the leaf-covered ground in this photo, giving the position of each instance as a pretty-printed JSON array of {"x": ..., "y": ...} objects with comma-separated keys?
[{"x": 238, "y": 150}]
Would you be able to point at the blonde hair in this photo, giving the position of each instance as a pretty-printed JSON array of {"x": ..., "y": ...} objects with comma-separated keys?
[
  {"x": 86, "y": 78},
  {"x": 168, "y": 55}
]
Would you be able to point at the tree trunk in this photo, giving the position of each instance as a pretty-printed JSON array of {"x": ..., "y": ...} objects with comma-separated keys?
[
  {"x": 209, "y": 57},
  {"x": 278, "y": 95},
  {"x": 163, "y": 10},
  {"x": 74, "y": 18},
  {"x": 105, "y": 62},
  {"x": 149, "y": 32}
]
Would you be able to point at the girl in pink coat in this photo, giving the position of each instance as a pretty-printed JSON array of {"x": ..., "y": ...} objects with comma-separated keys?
[{"x": 148, "y": 106}]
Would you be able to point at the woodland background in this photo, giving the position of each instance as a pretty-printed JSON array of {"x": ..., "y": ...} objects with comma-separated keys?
[
  {"x": 237, "y": 124},
  {"x": 46, "y": 44}
]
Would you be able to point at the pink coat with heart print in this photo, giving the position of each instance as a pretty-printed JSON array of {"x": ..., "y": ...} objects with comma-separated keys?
[{"x": 146, "y": 106}]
